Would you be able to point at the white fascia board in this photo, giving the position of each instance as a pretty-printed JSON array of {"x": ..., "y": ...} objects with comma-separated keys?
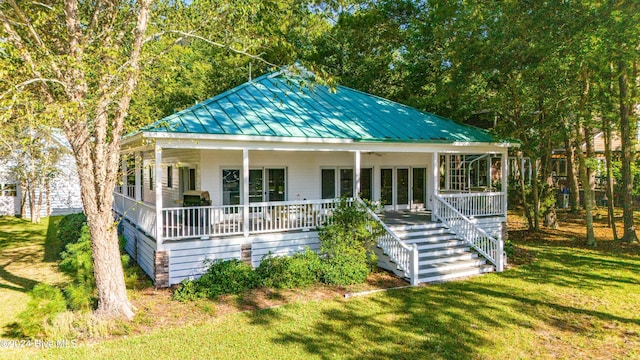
[{"x": 296, "y": 144}]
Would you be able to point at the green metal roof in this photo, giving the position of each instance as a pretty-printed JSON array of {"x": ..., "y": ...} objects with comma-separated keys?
[{"x": 276, "y": 105}]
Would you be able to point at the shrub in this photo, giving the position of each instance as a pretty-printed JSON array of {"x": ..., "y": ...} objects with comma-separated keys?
[
  {"x": 70, "y": 227},
  {"x": 77, "y": 262},
  {"x": 46, "y": 302},
  {"x": 222, "y": 277},
  {"x": 346, "y": 245},
  {"x": 288, "y": 272}
]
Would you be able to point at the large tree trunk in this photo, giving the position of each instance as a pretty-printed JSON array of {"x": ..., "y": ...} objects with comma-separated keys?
[
  {"x": 591, "y": 154},
  {"x": 628, "y": 144}
]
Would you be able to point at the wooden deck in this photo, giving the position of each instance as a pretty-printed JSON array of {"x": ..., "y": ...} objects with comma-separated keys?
[{"x": 406, "y": 217}]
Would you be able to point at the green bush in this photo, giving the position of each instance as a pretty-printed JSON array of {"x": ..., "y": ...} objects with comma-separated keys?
[
  {"x": 77, "y": 262},
  {"x": 222, "y": 277},
  {"x": 346, "y": 245},
  {"x": 70, "y": 227},
  {"x": 288, "y": 272},
  {"x": 46, "y": 302}
]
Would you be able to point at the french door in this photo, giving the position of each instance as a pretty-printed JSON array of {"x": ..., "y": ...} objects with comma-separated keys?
[{"x": 403, "y": 188}]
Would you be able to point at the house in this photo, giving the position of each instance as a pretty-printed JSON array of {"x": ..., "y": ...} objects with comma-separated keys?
[
  {"x": 258, "y": 168},
  {"x": 60, "y": 198}
]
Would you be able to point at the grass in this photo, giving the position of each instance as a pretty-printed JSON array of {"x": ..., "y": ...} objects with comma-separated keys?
[
  {"x": 25, "y": 260},
  {"x": 562, "y": 300}
]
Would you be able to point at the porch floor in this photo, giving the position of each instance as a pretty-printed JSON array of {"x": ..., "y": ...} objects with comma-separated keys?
[{"x": 406, "y": 217}]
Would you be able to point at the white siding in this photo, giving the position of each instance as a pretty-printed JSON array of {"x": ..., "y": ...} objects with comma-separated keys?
[
  {"x": 303, "y": 168},
  {"x": 65, "y": 195},
  {"x": 140, "y": 247},
  {"x": 187, "y": 258}
]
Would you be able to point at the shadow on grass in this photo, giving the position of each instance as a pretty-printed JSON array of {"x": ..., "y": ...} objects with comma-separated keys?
[
  {"x": 454, "y": 320},
  {"x": 52, "y": 244}
]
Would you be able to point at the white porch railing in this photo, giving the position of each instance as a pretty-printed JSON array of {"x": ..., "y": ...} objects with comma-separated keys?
[
  {"x": 289, "y": 215},
  {"x": 265, "y": 217},
  {"x": 488, "y": 246},
  {"x": 141, "y": 214},
  {"x": 477, "y": 203},
  {"x": 405, "y": 256}
]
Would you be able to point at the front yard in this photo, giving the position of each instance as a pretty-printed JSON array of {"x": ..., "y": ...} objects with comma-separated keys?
[{"x": 557, "y": 300}]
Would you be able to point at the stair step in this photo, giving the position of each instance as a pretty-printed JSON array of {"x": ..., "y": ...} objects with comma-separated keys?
[
  {"x": 446, "y": 243},
  {"x": 450, "y": 265},
  {"x": 428, "y": 260},
  {"x": 453, "y": 250},
  {"x": 423, "y": 233},
  {"x": 431, "y": 239},
  {"x": 454, "y": 274},
  {"x": 415, "y": 227}
]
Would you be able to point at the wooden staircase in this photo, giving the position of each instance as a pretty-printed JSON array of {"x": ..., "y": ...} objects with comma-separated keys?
[{"x": 442, "y": 254}]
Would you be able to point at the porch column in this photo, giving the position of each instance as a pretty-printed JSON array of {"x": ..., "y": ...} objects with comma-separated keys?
[
  {"x": 123, "y": 166},
  {"x": 356, "y": 174},
  {"x": 435, "y": 183},
  {"x": 138, "y": 166},
  {"x": 245, "y": 192},
  {"x": 157, "y": 187},
  {"x": 447, "y": 172}
]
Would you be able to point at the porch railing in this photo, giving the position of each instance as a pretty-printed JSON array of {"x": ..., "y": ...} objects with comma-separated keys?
[
  {"x": 264, "y": 217},
  {"x": 403, "y": 255},
  {"x": 476, "y": 203},
  {"x": 488, "y": 246},
  {"x": 289, "y": 215},
  {"x": 141, "y": 214}
]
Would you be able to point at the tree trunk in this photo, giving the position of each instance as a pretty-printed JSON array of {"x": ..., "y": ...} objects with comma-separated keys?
[
  {"x": 628, "y": 145},
  {"x": 591, "y": 154},
  {"x": 535, "y": 194},
  {"x": 572, "y": 178},
  {"x": 588, "y": 203},
  {"x": 523, "y": 193},
  {"x": 609, "y": 184},
  {"x": 47, "y": 187},
  {"x": 24, "y": 189}
]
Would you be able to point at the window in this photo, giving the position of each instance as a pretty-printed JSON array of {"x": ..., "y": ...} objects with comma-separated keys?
[
  {"x": 386, "y": 186},
  {"x": 328, "y": 183},
  {"x": 151, "y": 171},
  {"x": 366, "y": 183},
  {"x": 8, "y": 190},
  {"x": 169, "y": 176},
  {"x": 231, "y": 187},
  {"x": 346, "y": 182}
]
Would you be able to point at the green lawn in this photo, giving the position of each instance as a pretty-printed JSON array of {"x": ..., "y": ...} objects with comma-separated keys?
[
  {"x": 568, "y": 302},
  {"x": 28, "y": 254}
]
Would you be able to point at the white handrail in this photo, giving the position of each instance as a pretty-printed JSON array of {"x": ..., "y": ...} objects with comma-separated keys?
[
  {"x": 141, "y": 214},
  {"x": 405, "y": 256},
  {"x": 476, "y": 203},
  {"x": 488, "y": 246}
]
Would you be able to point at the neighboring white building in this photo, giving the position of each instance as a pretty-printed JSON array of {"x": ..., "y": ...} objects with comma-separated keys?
[
  {"x": 65, "y": 186},
  {"x": 273, "y": 155}
]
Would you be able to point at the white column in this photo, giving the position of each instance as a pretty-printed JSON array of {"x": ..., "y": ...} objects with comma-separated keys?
[
  {"x": 138, "y": 166},
  {"x": 123, "y": 166},
  {"x": 157, "y": 187},
  {"x": 245, "y": 192},
  {"x": 504, "y": 178},
  {"x": 435, "y": 182},
  {"x": 356, "y": 173}
]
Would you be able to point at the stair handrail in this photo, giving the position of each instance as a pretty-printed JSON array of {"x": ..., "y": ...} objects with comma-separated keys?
[
  {"x": 403, "y": 255},
  {"x": 485, "y": 244}
]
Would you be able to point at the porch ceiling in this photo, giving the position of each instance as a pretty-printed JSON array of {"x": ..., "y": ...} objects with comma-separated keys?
[{"x": 279, "y": 106}]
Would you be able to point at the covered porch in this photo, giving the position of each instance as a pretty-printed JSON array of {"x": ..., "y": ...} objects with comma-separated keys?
[{"x": 256, "y": 191}]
